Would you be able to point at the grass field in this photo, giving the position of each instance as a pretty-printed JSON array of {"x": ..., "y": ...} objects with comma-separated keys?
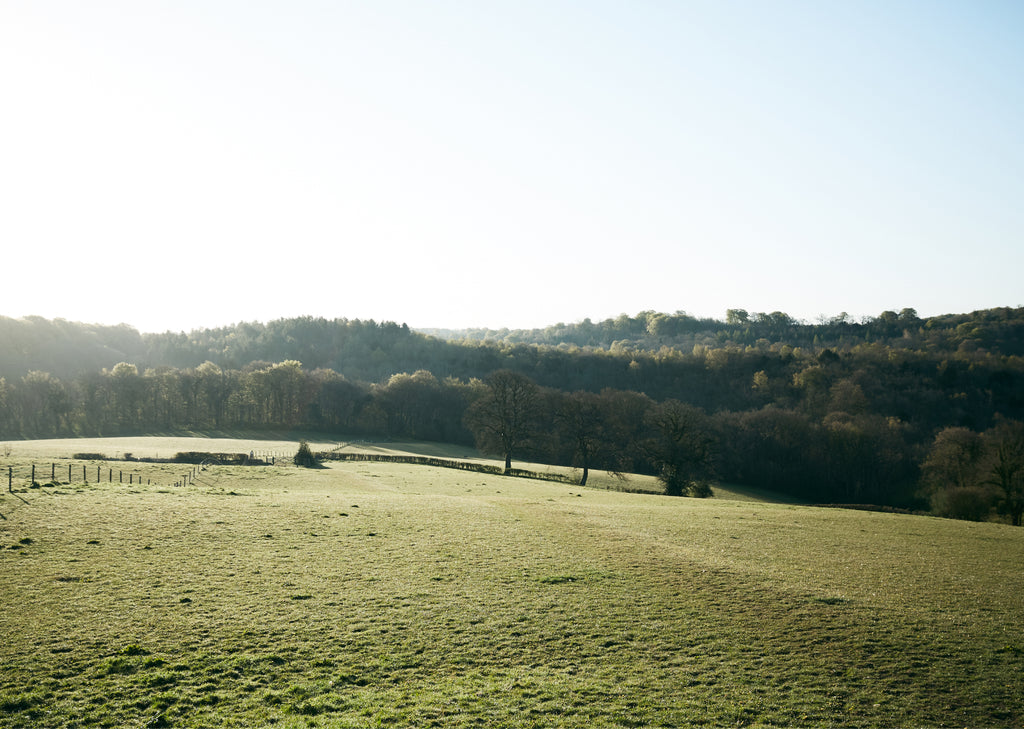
[{"x": 375, "y": 594}]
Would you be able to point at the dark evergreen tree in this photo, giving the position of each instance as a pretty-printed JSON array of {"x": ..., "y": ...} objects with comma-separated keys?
[{"x": 304, "y": 456}]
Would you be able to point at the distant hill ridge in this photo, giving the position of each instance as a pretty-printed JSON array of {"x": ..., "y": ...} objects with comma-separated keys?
[
  {"x": 841, "y": 411},
  {"x": 368, "y": 349}
]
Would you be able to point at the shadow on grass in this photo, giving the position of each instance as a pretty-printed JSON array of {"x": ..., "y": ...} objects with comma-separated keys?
[{"x": 311, "y": 466}]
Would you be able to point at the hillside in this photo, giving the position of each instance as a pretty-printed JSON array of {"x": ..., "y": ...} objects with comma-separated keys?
[
  {"x": 370, "y": 350},
  {"x": 379, "y": 594},
  {"x": 996, "y": 330},
  {"x": 878, "y": 411}
]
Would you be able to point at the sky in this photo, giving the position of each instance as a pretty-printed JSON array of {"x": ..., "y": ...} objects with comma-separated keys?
[{"x": 183, "y": 164}]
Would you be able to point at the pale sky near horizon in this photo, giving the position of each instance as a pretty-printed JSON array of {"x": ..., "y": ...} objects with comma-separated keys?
[{"x": 460, "y": 163}]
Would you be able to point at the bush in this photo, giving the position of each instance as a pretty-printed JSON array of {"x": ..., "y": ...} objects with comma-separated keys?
[
  {"x": 305, "y": 456},
  {"x": 962, "y": 502}
]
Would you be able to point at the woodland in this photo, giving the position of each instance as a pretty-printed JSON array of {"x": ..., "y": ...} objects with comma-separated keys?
[{"x": 894, "y": 411}]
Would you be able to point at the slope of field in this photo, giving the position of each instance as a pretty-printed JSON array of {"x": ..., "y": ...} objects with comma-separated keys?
[
  {"x": 370, "y": 594},
  {"x": 285, "y": 444},
  {"x": 161, "y": 446}
]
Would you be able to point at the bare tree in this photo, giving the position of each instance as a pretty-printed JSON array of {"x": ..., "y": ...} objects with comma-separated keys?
[
  {"x": 681, "y": 448},
  {"x": 503, "y": 419}
]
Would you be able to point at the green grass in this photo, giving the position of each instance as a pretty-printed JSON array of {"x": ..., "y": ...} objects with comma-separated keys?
[
  {"x": 286, "y": 444},
  {"x": 164, "y": 446},
  {"x": 364, "y": 595}
]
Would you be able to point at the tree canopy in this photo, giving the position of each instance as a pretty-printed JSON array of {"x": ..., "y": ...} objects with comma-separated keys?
[{"x": 893, "y": 410}]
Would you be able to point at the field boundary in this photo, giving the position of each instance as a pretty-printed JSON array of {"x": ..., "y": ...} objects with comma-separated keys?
[{"x": 445, "y": 463}]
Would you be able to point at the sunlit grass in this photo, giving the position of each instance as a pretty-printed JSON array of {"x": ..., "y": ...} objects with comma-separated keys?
[
  {"x": 162, "y": 446},
  {"x": 371, "y": 594},
  {"x": 285, "y": 445}
]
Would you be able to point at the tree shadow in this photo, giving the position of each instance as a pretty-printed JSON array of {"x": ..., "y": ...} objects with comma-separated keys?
[{"x": 313, "y": 466}]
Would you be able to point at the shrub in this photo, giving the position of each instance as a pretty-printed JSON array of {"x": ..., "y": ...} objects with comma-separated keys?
[
  {"x": 962, "y": 502},
  {"x": 304, "y": 456}
]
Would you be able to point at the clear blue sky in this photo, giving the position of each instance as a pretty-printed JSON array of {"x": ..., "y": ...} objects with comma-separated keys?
[{"x": 513, "y": 163}]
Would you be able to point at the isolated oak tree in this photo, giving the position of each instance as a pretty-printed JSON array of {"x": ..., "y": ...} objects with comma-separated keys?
[
  {"x": 503, "y": 419},
  {"x": 595, "y": 437},
  {"x": 579, "y": 419},
  {"x": 681, "y": 448}
]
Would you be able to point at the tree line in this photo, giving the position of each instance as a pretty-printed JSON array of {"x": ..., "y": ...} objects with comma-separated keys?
[
  {"x": 507, "y": 413},
  {"x": 834, "y": 412}
]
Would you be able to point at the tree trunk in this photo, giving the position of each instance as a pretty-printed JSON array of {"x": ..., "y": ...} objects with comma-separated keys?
[
  {"x": 586, "y": 472},
  {"x": 508, "y": 462}
]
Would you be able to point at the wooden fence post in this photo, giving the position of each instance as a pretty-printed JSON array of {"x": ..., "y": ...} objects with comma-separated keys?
[
  {"x": 33, "y": 481},
  {"x": 53, "y": 472},
  {"x": 10, "y": 478},
  {"x": 69, "y": 473}
]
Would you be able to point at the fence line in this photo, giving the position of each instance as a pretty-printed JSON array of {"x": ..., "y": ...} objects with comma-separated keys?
[
  {"x": 33, "y": 475},
  {"x": 445, "y": 463},
  {"x": 200, "y": 460}
]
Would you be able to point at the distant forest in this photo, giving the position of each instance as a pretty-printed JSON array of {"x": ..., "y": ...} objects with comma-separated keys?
[{"x": 893, "y": 410}]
